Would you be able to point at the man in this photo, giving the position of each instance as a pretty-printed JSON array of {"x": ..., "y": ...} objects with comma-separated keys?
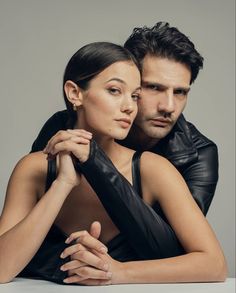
[{"x": 170, "y": 64}]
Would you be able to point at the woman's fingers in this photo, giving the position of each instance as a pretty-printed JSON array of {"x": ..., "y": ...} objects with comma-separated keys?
[
  {"x": 79, "y": 253},
  {"x": 95, "y": 229},
  {"x": 94, "y": 282},
  {"x": 63, "y": 135},
  {"x": 84, "y": 238},
  {"x": 71, "y": 265},
  {"x": 67, "y": 145},
  {"x": 87, "y": 272}
]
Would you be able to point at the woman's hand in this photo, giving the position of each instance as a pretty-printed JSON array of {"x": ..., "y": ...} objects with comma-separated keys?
[
  {"x": 90, "y": 264},
  {"x": 65, "y": 143},
  {"x": 75, "y": 141},
  {"x": 67, "y": 173}
]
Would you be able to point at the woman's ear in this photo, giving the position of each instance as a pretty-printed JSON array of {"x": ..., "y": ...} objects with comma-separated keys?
[{"x": 73, "y": 93}]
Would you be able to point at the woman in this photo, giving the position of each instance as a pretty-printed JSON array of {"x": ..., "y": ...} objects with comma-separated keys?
[{"x": 101, "y": 88}]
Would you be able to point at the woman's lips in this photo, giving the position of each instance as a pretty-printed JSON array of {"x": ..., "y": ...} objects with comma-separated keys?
[{"x": 124, "y": 122}]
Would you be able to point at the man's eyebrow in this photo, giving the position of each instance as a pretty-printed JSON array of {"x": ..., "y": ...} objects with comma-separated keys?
[
  {"x": 153, "y": 83},
  {"x": 186, "y": 89},
  {"x": 162, "y": 86}
]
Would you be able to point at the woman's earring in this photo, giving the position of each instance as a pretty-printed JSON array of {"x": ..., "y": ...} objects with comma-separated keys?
[{"x": 74, "y": 107}]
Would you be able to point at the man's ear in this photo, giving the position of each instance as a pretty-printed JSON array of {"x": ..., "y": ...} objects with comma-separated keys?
[{"x": 73, "y": 93}]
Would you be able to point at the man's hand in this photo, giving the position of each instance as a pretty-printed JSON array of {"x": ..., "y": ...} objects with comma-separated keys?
[{"x": 90, "y": 264}]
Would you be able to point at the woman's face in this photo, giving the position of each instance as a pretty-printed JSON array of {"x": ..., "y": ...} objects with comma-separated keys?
[{"x": 109, "y": 105}]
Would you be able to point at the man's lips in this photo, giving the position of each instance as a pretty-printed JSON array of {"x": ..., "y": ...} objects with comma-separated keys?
[{"x": 161, "y": 121}]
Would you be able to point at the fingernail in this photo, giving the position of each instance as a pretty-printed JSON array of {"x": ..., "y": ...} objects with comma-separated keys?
[
  {"x": 62, "y": 255},
  {"x": 103, "y": 249},
  {"x": 62, "y": 268},
  {"x": 67, "y": 240},
  {"x": 109, "y": 274},
  {"x": 65, "y": 281},
  {"x": 105, "y": 267}
]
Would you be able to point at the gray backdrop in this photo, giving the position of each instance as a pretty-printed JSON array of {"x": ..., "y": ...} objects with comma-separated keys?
[{"x": 38, "y": 37}]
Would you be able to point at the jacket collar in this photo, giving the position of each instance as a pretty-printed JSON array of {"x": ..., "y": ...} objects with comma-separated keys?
[{"x": 178, "y": 146}]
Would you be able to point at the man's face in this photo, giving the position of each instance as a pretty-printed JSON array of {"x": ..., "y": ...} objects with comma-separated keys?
[{"x": 165, "y": 85}]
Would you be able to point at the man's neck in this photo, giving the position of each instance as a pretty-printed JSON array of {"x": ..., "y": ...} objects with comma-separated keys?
[{"x": 138, "y": 140}]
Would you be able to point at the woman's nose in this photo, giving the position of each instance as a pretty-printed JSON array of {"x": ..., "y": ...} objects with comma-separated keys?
[{"x": 127, "y": 105}]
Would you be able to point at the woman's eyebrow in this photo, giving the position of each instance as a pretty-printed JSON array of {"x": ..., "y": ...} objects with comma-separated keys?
[
  {"x": 122, "y": 81},
  {"x": 117, "y": 79}
]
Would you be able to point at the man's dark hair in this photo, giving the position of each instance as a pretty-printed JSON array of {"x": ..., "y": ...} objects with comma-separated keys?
[{"x": 164, "y": 41}]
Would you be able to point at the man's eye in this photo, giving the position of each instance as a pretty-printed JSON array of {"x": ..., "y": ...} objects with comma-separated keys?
[
  {"x": 180, "y": 93},
  {"x": 153, "y": 87}
]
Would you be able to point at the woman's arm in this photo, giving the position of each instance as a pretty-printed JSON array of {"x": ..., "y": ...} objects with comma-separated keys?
[
  {"x": 148, "y": 234},
  {"x": 25, "y": 221},
  {"x": 204, "y": 259}
]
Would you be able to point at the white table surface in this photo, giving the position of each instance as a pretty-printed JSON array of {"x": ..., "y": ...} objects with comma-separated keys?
[{"x": 20, "y": 285}]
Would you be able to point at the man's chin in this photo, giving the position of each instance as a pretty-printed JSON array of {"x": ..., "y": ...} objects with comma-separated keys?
[{"x": 157, "y": 132}]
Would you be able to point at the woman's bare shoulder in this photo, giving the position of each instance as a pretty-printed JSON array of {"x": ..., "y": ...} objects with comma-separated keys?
[
  {"x": 157, "y": 173},
  {"x": 150, "y": 159},
  {"x": 31, "y": 165},
  {"x": 33, "y": 160}
]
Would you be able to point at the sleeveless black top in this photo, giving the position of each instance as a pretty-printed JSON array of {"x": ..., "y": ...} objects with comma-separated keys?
[{"x": 46, "y": 262}]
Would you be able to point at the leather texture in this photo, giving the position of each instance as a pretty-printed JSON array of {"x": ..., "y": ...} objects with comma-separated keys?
[
  {"x": 195, "y": 157},
  {"x": 193, "y": 154},
  {"x": 146, "y": 232}
]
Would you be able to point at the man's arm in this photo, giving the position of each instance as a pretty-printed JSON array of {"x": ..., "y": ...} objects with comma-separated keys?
[
  {"x": 196, "y": 158},
  {"x": 58, "y": 121},
  {"x": 202, "y": 176}
]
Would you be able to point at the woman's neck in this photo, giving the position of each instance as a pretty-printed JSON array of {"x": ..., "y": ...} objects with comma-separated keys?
[{"x": 107, "y": 144}]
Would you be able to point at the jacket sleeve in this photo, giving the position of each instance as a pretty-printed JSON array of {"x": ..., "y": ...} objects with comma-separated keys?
[
  {"x": 56, "y": 122},
  {"x": 149, "y": 235},
  {"x": 202, "y": 175},
  {"x": 145, "y": 229}
]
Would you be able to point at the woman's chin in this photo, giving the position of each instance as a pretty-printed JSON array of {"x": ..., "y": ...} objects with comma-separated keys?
[{"x": 120, "y": 137}]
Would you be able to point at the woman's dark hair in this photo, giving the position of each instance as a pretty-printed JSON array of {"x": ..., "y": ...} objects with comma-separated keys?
[
  {"x": 165, "y": 41},
  {"x": 88, "y": 62}
]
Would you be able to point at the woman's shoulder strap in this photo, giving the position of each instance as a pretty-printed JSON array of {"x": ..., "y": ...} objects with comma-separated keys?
[
  {"x": 51, "y": 173},
  {"x": 136, "y": 173}
]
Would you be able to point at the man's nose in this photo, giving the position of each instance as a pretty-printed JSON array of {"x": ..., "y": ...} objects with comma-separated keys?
[{"x": 167, "y": 102}]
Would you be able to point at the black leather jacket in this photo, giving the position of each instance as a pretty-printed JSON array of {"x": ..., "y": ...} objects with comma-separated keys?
[
  {"x": 196, "y": 158},
  {"x": 193, "y": 154}
]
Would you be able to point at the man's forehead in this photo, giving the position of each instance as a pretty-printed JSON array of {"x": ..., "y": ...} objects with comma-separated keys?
[{"x": 165, "y": 71}]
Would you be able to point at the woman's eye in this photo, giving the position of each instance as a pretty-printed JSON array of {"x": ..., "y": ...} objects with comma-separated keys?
[
  {"x": 135, "y": 97},
  {"x": 114, "y": 91}
]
